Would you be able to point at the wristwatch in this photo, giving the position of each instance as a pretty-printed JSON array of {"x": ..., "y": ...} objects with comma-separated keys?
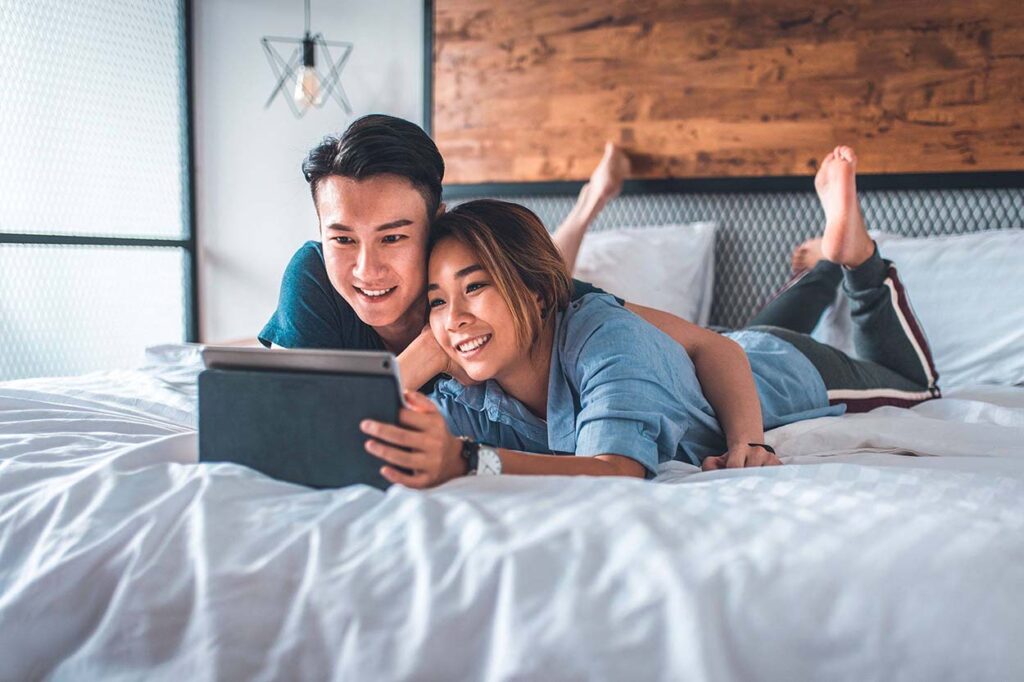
[{"x": 481, "y": 459}]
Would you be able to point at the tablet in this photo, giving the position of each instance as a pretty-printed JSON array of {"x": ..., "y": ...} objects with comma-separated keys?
[
  {"x": 294, "y": 414},
  {"x": 328, "y": 361}
]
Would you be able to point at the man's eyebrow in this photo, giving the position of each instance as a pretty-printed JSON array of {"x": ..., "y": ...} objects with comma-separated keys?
[
  {"x": 401, "y": 222},
  {"x": 468, "y": 270}
]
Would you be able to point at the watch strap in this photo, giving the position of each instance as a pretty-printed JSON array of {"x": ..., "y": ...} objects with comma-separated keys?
[{"x": 470, "y": 454}]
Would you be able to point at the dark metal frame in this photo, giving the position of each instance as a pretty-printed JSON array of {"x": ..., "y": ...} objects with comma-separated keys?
[
  {"x": 192, "y": 311},
  {"x": 739, "y": 185},
  {"x": 189, "y": 209}
]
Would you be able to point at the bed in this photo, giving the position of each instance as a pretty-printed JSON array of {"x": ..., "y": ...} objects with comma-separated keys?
[{"x": 890, "y": 547}]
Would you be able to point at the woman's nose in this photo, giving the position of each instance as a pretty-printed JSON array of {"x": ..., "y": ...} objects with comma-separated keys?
[{"x": 458, "y": 316}]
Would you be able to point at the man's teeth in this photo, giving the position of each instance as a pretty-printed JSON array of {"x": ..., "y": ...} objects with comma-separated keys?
[
  {"x": 376, "y": 292},
  {"x": 473, "y": 344}
]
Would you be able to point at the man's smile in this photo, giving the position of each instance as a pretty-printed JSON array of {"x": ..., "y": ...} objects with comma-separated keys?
[{"x": 375, "y": 294}]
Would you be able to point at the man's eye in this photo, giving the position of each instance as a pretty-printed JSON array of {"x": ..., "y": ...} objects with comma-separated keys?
[
  {"x": 343, "y": 240},
  {"x": 393, "y": 238},
  {"x": 435, "y": 302}
]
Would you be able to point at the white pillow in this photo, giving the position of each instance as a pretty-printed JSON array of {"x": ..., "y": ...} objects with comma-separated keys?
[
  {"x": 968, "y": 293},
  {"x": 668, "y": 267}
]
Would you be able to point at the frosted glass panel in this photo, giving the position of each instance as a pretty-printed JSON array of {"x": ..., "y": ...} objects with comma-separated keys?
[
  {"x": 73, "y": 309},
  {"x": 92, "y": 117}
]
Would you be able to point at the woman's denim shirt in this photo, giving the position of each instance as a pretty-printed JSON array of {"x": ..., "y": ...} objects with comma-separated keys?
[{"x": 619, "y": 386}]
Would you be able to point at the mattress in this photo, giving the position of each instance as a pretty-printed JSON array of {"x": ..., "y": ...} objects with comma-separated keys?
[{"x": 891, "y": 546}]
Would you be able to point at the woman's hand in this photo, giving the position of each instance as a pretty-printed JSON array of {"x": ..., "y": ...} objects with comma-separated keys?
[
  {"x": 741, "y": 456},
  {"x": 420, "y": 442}
]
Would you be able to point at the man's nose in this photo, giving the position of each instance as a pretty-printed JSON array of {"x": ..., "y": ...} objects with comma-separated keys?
[{"x": 369, "y": 265}]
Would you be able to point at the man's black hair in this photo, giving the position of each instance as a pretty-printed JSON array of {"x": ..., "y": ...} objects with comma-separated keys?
[{"x": 378, "y": 145}]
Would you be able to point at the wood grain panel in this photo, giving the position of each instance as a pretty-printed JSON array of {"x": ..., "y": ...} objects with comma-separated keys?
[{"x": 529, "y": 90}]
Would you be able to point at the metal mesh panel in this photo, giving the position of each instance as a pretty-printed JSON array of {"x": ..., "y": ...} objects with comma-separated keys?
[
  {"x": 757, "y": 231},
  {"x": 72, "y": 309},
  {"x": 92, "y": 118}
]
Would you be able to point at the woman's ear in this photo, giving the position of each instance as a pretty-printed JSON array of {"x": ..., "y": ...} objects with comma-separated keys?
[
  {"x": 539, "y": 300},
  {"x": 442, "y": 207}
]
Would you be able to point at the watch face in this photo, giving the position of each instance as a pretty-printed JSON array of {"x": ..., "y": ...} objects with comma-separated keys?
[{"x": 488, "y": 462}]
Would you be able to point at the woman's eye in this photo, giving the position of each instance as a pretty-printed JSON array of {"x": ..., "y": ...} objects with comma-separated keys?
[
  {"x": 475, "y": 286},
  {"x": 393, "y": 238},
  {"x": 435, "y": 302}
]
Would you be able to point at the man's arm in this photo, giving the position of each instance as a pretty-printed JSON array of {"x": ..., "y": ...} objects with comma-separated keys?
[
  {"x": 421, "y": 361},
  {"x": 726, "y": 381}
]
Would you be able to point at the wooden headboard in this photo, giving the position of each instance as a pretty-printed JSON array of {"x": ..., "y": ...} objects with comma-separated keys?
[{"x": 528, "y": 90}]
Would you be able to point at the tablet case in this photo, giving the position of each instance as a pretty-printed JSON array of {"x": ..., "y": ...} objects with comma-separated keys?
[{"x": 301, "y": 427}]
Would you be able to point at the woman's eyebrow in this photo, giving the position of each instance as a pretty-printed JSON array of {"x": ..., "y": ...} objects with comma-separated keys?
[{"x": 468, "y": 270}]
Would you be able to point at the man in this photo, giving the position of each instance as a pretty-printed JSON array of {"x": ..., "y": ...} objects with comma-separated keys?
[{"x": 362, "y": 286}]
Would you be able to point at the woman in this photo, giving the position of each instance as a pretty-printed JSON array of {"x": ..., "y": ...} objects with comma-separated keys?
[{"x": 589, "y": 378}]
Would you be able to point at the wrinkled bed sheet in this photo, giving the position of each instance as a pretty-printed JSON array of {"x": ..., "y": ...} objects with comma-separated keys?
[{"x": 121, "y": 558}]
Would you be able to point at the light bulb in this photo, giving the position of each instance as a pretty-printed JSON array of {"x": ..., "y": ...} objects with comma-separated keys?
[{"x": 307, "y": 88}]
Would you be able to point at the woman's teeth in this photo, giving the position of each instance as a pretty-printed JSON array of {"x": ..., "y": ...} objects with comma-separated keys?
[
  {"x": 373, "y": 293},
  {"x": 473, "y": 344}
]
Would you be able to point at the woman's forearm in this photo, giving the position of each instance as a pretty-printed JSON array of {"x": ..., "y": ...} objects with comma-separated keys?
[
  {"x": 523, "y": 463},
  {"x": 728, "y": 383}
]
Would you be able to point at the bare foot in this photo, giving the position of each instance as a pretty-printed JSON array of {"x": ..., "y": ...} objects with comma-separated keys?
[
  {"x": 807, "y": 255},
  {"x": 846, "y": 240},
  {"x": 606, "y": 180}
]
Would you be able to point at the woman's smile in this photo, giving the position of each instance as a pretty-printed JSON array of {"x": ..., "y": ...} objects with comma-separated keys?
[{"x": 473, "y": 346}]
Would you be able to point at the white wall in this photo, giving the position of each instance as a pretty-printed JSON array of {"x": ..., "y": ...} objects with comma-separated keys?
[{"x": 253, "y": 207}]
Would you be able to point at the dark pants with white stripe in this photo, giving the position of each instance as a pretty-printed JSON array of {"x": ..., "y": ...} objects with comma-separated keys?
[{"x": 895, "y": 365}]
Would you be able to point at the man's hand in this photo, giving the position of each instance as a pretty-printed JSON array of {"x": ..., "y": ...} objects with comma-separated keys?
[
  {"x": 741, "y": 456},
  {"x": 420, "y": 442},
  {"x": 455, "y": 370}
]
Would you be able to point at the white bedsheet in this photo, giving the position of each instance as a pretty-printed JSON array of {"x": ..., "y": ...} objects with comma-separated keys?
[{"x": 120, "y": 558}]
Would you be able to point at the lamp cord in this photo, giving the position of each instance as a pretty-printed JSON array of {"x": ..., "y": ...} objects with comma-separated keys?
[{"x": 307, "y": 17}]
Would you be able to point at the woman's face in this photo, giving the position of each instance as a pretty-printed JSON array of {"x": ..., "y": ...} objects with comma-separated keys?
[{"x": 468, "y": 316}]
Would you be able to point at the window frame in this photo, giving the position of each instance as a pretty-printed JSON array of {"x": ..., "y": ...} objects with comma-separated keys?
[{"x": 188, "y": 203}]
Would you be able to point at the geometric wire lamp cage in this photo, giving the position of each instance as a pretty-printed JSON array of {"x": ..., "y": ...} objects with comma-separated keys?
[{"x": 300, "y": 75}]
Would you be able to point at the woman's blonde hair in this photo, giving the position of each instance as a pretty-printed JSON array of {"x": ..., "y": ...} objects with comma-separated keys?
[{"x": 517, "y": 252}]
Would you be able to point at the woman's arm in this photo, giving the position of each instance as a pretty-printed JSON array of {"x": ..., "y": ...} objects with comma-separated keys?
[
  {"x": 422, "y": 442},
  {"x": 726, "y": 381}
]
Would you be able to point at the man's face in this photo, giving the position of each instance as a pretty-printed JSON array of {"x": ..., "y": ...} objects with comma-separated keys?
[{"x": 374, "y": 234}]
